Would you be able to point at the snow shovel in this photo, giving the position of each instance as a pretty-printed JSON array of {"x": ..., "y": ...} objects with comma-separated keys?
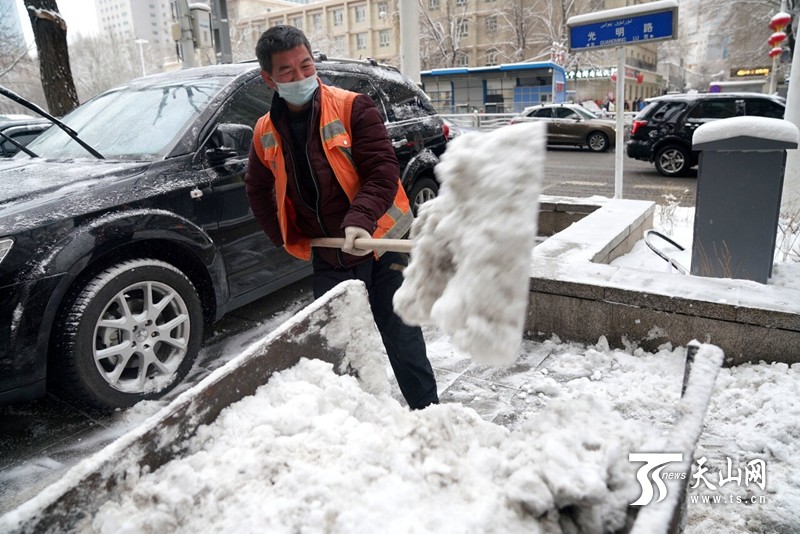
[{"x": 471, "y": 246}]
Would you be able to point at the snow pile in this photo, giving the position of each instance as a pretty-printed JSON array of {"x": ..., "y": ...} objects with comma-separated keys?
[
  {"x": 349, "y": 326},
  {"x": 758, "y": 127},
  {"x": 313, "y": 452},
  {"x": 754, "y": 414},
  {"x": 469, "y": 273}
]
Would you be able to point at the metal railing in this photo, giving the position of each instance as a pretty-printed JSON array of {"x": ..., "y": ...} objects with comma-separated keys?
[
  {"x": 492, "y": 121},
  {"x": 479, "y": 121}
]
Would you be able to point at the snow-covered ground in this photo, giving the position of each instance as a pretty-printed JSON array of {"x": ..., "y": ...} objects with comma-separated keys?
[{"x": 314, "y": 452}]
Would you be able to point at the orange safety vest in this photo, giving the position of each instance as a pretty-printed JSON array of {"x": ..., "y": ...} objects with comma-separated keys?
[{"x": 335, "y": 110}]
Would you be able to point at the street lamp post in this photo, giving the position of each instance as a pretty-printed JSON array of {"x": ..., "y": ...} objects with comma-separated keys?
[{"x": 141, "y": 43}]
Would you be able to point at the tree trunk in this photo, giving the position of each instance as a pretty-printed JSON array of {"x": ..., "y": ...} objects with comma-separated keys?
[{"x": 50, "y": 33}]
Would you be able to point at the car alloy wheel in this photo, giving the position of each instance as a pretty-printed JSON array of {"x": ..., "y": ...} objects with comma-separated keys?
[
  {"x": 597, "y": 141},
  {"x": 672, "y": 160},
  {"x": 424, "y": 190},
  {"x": 131, "y": 334}
]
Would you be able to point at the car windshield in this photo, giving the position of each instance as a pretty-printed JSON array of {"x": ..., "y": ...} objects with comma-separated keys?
[
  {"x": 585, "y": 113},
  {"x": 131, "y": 122}
]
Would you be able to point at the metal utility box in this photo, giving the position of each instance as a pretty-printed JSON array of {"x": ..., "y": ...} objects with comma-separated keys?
[
  {"x": 739, "y": 188},
  {"x": 201, "y": 25}
]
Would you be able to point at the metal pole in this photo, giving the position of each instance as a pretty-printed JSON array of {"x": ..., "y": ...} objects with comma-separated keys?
[
  {"x": 141, "y": 43},
  {"x": 186, "y": 40},
  {"x": 790, "y": 199},
  {"x": 773, "y": 76},
  {"x": 409, "y": 42},
  {"x": 620, "y": 114}
]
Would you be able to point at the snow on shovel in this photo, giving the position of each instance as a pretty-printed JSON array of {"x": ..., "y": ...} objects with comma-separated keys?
[{"x": 469, "y": 272}]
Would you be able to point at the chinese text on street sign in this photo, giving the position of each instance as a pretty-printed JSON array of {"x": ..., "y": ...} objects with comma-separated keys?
[{"x": 623, "y": 27}]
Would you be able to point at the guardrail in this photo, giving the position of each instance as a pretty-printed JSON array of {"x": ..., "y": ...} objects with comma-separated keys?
[
  {"x": 479, "y": 121},
  {"x": 492, "y": 121}
]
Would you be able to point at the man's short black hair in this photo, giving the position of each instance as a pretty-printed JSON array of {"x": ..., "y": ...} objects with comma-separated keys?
[{"x": 278, "y": 39}]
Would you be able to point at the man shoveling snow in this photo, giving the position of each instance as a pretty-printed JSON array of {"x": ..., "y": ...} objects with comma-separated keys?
[{"x": 470, "y": 267}]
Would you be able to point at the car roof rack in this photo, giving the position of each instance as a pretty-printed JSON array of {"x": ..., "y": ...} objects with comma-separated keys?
[{"x": 370, "y": 62}]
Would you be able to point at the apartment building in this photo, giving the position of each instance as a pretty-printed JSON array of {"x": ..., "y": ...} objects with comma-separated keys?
[
  {"x": 338, "y": 28},
  {"x": 144, "y": 20}
]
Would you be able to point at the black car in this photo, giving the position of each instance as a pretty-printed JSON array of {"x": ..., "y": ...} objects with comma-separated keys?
[
  {"x": 662, "y": 131},
  {"x": 111, "y": 264},
  {"x": 21, "y": 129}
]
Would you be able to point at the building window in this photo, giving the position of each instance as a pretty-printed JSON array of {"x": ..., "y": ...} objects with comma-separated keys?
[
  {"x": 338, "y": 17},
  {"x": 462, "y": 60},
  {"x": 491, "y": 57},
  {"x": 461, "y": 2},
  {"x": 433, "y": 4},
  {"x": 383, "y": 38},
  {"x": 297, "y": 22},
  {"x": 383, "y": 10},
  {"x": 316, "y": 21},
  {"x": 491, "y": 24},
  {"x": 361, "y": 13},
  {"x": 463, "y": 29},
  {"x": 361, "y": 41}
]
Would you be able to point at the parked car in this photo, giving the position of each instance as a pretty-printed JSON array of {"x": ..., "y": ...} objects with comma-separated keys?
[
  {"x": 116, "y": 252},
  {"x": 453, "y": 130},
  {"x": 571, "y": 124},
  {"x": 22, "y": 129},
  {"x": 662, "y": 131}
]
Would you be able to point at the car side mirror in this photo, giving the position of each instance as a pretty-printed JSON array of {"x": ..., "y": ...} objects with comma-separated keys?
[{"x": 229, "y": 140}]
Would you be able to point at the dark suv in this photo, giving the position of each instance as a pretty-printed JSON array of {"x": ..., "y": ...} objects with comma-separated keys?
[
  {"x": 116, "y": 250},
  {"x": 21, "y": 129},
  {"x": 662, "y": 131}
]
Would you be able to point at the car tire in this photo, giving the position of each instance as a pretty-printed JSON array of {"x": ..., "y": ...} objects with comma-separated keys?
[
  {"x": 597, "y": 142},
  {"x": 673, "y": 160},
  {"x": 130, "y": 334},
  {"x": 424, "y": 189}
]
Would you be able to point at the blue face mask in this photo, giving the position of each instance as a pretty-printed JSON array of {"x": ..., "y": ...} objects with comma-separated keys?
[{"x": 299, "y": 92}]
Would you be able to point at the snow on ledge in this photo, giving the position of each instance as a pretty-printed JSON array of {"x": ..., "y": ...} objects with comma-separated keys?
[
  {"x": 622, "y": 12},
  {"x": 759, "y": 127}
]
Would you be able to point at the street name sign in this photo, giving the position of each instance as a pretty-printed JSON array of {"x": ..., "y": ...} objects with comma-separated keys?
[{"x": 638, "y": 24}]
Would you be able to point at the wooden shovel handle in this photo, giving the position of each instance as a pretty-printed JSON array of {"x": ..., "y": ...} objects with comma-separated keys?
[{"x": 381, "y": 245}]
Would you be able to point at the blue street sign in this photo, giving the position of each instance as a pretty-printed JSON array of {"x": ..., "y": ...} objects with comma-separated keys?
[{"x": 624, "y": 30}]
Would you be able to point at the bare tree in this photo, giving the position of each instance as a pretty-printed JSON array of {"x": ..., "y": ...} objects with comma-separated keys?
[
  {"x": 18, "y": 70},
  {"x": 96, "y": 70},
  {"x": 11, "y": 40},
  {"x": 50, "y": 33},
  {"x": 441, "y": 37},
  {"x": 519, "y": 19}
]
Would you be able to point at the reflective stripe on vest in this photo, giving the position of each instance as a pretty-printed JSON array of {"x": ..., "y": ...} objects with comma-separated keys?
[{"x": 336, "y": 106}]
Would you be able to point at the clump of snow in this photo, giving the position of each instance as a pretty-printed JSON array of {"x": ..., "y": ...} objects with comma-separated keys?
[
  {"x": 469, "y": 273},
  {"x": 364, "y": 354},
  {"x": 312, "y": 451},
  {"x": 760, "y": 127}
]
